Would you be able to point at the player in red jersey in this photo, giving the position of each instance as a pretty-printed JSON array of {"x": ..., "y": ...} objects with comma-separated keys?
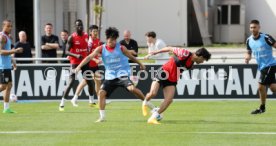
[
  {"x": 78, "y": 49},
  {"x": 168, "y": 75},
  {"x": 93, "y": 43}
]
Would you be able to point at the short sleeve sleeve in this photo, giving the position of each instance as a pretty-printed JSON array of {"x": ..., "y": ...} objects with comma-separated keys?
[{"x": 269, "y": 40}]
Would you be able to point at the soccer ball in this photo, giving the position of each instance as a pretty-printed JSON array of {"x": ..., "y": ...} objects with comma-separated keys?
[
  {"x": 160, "y": 116},
  {"x": 13, "y": 98}
]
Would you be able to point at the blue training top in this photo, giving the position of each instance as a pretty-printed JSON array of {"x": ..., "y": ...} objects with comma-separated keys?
[
  {"x": 5, "y": 60},
  {"x": 115, "y": 63},
  {"x": 261, "y": 48}
]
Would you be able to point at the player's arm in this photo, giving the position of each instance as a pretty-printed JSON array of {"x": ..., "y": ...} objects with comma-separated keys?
[
  {"x": 13, "y": 63},
  {"x": 98, "y": 61},
  {"x": 7, "y": 52},
  {"x": 132, "y": 58},
  {"x": 270, "y": 40},
  {"x": 88, "y": 58},
  {"x": 248, "y": 53},
  {"x": 69, "y": 46},
  {"x": 166, "y": 49}
]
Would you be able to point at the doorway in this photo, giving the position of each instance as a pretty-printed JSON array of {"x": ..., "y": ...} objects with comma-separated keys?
[{"x": 24, "y": 19}]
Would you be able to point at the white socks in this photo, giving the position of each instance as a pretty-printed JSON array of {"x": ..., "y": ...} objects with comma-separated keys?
[
  {"x": 154, "y": 115},
  {"x": 149, "y": 104},
  {"x": 62, "y": 102},
  {"x": 102, "y": 114},
  {"x": 75, "y": 98},
  {"x": 91, "y": 99},
  {"x": 6, "y": 105}
]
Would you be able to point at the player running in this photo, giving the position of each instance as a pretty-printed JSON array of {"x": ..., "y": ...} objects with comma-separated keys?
[
  {"x": 6, "y": 63},
  {"x": 78, "y": 49},
  {"x": 261, "y": 46},
  {"x": 117, "y": 69},
  {"x": 168, "y": 75}
]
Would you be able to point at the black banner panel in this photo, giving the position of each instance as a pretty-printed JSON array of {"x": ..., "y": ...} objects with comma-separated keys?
[{"x": 203, "y": 82}]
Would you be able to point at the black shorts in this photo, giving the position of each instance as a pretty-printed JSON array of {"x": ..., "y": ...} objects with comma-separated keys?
[
  {"x": 5, "y": 76},
  {"x": 110, "y": 85},
  {"x": 267, "y": 76},
  {"x": 94, "y": 69},
  {"x": 85, "y": 70},
  {"x": 160, "y": 77}
]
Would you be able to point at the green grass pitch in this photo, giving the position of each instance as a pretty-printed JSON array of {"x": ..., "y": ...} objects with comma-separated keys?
[{"x": 185, "y": 123}]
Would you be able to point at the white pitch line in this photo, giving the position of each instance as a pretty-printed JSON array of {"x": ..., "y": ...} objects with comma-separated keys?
[{"x": 170, "y": 132}]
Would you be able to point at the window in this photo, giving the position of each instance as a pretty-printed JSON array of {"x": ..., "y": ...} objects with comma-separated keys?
[
  {"x": 235, "y": 14},
  {"x": 222, "y": 14}
]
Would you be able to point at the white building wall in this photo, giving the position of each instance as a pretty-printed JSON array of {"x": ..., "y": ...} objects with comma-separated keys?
[
  {"x": 51, "y": 12},
  {"x": 2, "y": 11},
  {"x": 81, "y": 9},
  {"x": 167, "y": 18},
  {"x": 265, "y": 12}
]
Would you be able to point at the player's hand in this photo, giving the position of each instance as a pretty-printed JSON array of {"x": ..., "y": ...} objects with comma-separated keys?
[
  {"x": 142, "y": 67},
  {"x": 19, "y": 50},
  {"x": 247, "y": 58},
  {"x": 153, "y": 52},
  {"x": 147, "y": 56},
  {"x": 76, "y": 70},
  {"x": 14, "y": 66},
  {"x": 98, "y": 61},
  {"x": 79, "y": 56}
]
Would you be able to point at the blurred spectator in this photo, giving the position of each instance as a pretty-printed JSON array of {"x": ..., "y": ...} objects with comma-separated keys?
[
  {"x": 49, "y": 44},
  {"x": 129, "y": 43},
  {"x": 64, "y": 38},
  {"x": 156, "y": 44},
  {"x": 22, "y": 43}
]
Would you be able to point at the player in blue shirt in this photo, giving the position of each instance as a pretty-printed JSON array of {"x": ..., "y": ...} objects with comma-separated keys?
[
  {"x": 117, "y": 69},
  {"x": 6, "y": 63},
  {"x": 260, "y": 45}
]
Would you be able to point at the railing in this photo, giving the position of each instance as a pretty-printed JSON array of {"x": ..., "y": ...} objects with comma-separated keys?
[{"x": 215, "y": 59}]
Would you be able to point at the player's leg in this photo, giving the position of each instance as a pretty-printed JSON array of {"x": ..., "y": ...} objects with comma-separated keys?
[
  {"x": 66, "y": 92},
  {"x": 264, "y": 80},
  {"x": 152, "y": 93},
  {"x": 107, "y": 88},
  {"x": 6, "y": 85},
  {"x": 88, "y": 76},
  {"x": 90, "y": 90},
  {"x": 137, "y": 92},
  {"x": 267, "y": 78},
  {"x": 101, "y": 97},
  {"x": 98, "y": 82},
  {"x": 80, "y": 87},
  {"x": 6, "y": 98},
  {"x": 273, "y": 87},
  {"x": 168, "y": 93},
  {"x": 262, "y": 96}
]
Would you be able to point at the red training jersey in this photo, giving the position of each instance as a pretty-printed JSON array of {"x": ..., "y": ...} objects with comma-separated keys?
[
  {"x": 92, "y": 45},
  {"x": 171, "y": 67},
  {"x": 79, "y": 46}
]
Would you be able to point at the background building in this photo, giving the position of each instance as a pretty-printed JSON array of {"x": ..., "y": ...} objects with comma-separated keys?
[{"x": 178, "y": 22}]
